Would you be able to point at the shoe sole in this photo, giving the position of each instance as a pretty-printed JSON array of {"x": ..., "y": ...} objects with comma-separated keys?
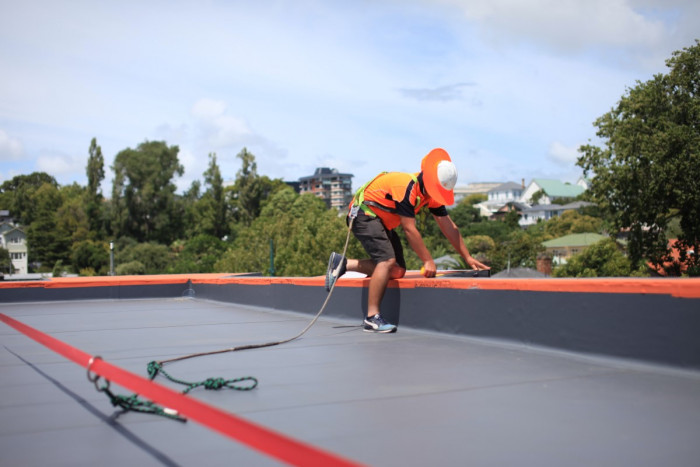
[{"x": 370, "y": 329}]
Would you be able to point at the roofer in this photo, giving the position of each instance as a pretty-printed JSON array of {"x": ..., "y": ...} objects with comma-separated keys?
[{"x": 390, "y": 200}]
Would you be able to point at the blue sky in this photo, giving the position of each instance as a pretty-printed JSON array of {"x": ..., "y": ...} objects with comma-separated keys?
[{"x": 510, "y": 88}]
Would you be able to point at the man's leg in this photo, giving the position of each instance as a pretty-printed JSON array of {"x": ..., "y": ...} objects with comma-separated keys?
[{"x": 377, "y": 285}]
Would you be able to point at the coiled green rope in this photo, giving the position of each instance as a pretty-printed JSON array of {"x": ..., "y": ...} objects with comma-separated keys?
[{"x": 154, "y": 367}]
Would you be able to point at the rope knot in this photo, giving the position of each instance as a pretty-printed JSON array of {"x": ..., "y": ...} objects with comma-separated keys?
[
  {"x": 153, "y": 368},
  {"x": 214, "y": 383}
]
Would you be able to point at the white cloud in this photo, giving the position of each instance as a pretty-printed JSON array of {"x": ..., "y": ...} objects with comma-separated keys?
[
  {"x": 10, "y": 148},
  {"x": 60, "y": 164},
  {"x": 566, "y": 25},
  {"x": 445, "y": 93},
  {"x": 563, "y": 155},
  {"x": 219, "y": 129}
]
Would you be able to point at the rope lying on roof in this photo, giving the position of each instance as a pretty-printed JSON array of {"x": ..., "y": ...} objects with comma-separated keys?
[{"x": 156, "y": 367}]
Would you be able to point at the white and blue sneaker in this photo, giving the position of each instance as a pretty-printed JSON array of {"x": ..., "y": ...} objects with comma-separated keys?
[
  {"x": 377, "y": 324},
  {"x": 336, "y": 267}
]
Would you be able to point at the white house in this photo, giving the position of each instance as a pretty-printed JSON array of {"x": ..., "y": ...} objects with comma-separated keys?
[
  {"x": 539, "y": 212},
  {"x": 551, "y": 189},
  {"x": 543, "y": 212},
  {"x": 476, "y": 188},
  {"x": 505, "y": 192},
  {"x": 499, "y": 196},
  {"x": 14, "y": 240}
]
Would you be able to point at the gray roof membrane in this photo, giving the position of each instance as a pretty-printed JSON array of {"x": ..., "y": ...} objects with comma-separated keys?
[{"x": 411, "y": 398}]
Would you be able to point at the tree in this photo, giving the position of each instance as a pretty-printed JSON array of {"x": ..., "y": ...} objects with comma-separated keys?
[
  {"x": 603, "y": 259},
  {"x": 647, "y": 172},
  {"x": 16, "y": 195},
  {"x": 141, "y": 258},
  {"x": 89, "y": 255},
  {"x": 303, "y": 230},
  {"x": 93, "y": 194},
  {"x": 250, "y": 190},
  {"x": 5, "y": 261},
  {"x": 569, "y": 222},
  {"x": 46, "y": 242},
  {"x": 520, "y": 249},
  {"x": 214, "y": 206},
  {"x": 143, "y": 193},
  {"x": 198, "y": 254},
  {"x": 192, "y": 214}
]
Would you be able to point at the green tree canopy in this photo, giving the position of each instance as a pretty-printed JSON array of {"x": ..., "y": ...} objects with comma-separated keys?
[
  {"x": 199, "y": 254},
  {"x": 5, "y": 261},
  {"x": 47, "y": 243},
  {"x": 569, "y": 222},
  {"x": 141, "y": 258},
  {"x": 303, "y": 230},
  {"x": 213, "y": 206},
  {"x": 93, "y": 196},
  {"x": 648, "y": 170},
  {"x": 16, "y": 195},
  {"x": 250, "y": 190},
  {"x": 143, "y": 193},
  {"x": 603, "y": 259}
]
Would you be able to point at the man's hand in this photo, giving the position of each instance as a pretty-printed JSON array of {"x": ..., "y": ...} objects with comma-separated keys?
[
  {"x": 474, "y": 264},
  {"x": 428, "y": 269}
]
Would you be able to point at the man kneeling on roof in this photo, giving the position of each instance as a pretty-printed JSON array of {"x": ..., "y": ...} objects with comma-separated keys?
[{"x": 390, "y": 200}]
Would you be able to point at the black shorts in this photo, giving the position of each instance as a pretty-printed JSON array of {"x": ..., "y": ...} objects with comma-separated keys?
[{"x": 380, "y": 243}]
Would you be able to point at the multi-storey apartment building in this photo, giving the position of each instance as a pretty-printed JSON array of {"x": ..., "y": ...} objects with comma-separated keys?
[{"x": 328, "y": 184}]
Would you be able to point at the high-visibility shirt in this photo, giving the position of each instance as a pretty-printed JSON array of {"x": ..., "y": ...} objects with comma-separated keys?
[{"x": 393, "y": 195}]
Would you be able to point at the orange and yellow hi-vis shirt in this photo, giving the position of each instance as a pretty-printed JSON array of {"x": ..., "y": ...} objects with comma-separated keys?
[{"x": 393, "y": 195}]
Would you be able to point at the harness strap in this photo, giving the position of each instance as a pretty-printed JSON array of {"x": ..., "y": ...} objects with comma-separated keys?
[{"x": 359, "y": 198}]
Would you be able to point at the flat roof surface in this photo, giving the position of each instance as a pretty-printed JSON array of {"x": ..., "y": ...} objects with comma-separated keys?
[{"x": 410, "y": 398}]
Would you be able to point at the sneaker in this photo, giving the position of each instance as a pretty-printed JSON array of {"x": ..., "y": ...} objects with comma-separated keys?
[
  {"x": 377, "y": 324},
  {"x": 336, "y": 268}
]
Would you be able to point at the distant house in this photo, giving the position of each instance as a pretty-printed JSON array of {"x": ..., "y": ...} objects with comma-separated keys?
[
  {"x": 674, "y": 266},
  {"x": 509, "y": 191},
  {"x": 539, "y": 212},
  {"x": 584, "y": 183},
  {"x": 5, "y": 216},
  {"x": 563, "y": 248},
  {"x": 477, "y": 188},
  {"x": 510, "y": 206},
  {"x": 499, "y": 196},
  {"x": 551, "y": 190},
  {"x": 544, "y": 212},
  {"x": 14, "y": 240}
]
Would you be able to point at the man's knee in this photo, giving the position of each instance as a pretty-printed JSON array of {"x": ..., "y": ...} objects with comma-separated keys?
[{"x": 397, "y": 272}]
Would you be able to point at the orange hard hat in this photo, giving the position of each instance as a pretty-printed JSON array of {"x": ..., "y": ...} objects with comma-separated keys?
[{"x": 439, "y": 176}]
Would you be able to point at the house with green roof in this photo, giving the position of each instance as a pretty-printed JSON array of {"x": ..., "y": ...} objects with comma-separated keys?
[
  {"x": 563, "y": 248},
  {"x": 551, "y": 190}
]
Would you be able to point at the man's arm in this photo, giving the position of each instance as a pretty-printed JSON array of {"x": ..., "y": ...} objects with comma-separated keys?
[
  {"x": 415, "y": 240},
  {"x": 451, "y": 232}
]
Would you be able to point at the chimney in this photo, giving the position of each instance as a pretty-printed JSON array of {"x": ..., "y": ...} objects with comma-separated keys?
[
  {"x": 544, "y": 264},
  {"x": 522, "y": 183}
]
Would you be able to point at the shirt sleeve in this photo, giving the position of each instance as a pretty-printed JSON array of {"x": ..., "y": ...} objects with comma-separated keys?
[{"x": 440, "y": 211}]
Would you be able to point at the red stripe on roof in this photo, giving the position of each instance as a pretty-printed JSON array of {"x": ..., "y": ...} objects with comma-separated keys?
[{"x": 255, "y": 436}]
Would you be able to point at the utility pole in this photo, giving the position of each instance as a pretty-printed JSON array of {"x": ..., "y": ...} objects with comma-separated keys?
[{"x": 111, "y": 257}]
